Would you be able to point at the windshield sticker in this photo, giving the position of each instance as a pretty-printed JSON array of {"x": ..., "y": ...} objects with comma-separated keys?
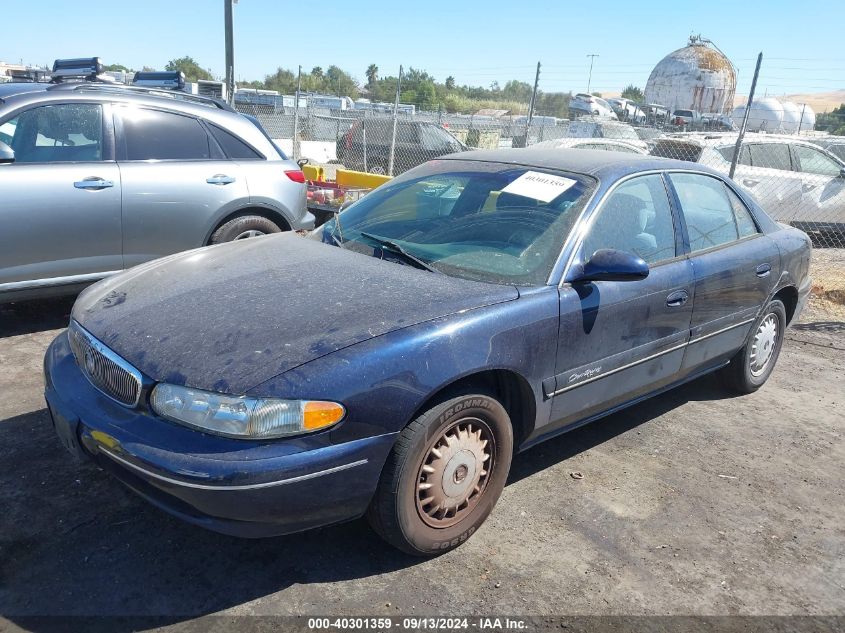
[{"x": 540, "y": 186}]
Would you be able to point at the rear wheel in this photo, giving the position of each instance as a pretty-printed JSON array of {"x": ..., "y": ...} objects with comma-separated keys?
[
  {"x": 754, "y": 363},
  {"x": 444, "y": 475},
  {"x": 244, "y": 227}
]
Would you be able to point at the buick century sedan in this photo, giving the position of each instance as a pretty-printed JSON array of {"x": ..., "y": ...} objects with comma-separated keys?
[{"x": 465, "y": 311}]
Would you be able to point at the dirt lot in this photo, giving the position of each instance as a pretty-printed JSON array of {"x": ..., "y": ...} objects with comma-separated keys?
[{"x": 692, "y": 503}]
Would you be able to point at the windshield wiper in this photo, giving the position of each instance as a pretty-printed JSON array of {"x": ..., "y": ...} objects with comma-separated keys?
[{"x": 396, "y": 248}]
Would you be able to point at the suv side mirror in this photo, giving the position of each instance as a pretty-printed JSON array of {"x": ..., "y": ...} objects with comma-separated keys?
[
  {"x": 608, "y": 264},
  {"x": 7, "y": 154},
  {"x": 842, "y": 173}
]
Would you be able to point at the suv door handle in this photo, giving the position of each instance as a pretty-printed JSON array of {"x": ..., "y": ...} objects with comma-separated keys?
[
  {"x": 677, "y": 299},
  {"x": 220, "y": 179},
  {"x": 750, "y": 182},
  {"x": 94, "y": 183},
  {"x": 763, "y": 270}
]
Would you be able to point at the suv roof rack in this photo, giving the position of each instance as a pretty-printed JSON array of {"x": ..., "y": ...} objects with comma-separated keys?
[
  {"x": 171, "y": 79},
  {"x": 86, "y": 68},
  {"x": 153, "y": 92}
]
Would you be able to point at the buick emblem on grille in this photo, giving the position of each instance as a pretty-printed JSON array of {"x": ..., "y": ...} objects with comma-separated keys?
[{"x": 90, "y": 361}]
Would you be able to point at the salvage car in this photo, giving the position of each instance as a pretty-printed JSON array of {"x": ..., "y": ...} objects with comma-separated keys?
[
  {"x": 97, "y": 178},
  {"x": 793, "y": 179},
  {"x": 468, "y": 309}
]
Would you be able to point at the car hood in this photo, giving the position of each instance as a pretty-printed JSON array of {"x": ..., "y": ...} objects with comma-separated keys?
[{"x": 229, "y": 317}]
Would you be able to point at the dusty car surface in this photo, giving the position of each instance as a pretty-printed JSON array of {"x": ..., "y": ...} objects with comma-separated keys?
[{"x": 473, "y": 307}]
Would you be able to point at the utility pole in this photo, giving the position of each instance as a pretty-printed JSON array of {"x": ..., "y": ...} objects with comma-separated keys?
[
  {"x": 592, "y": 57},
  {"x": 533, "y": 102},
  {"x": 296, "y": 115},
  {"x": 230, "y": 51},
  {"x": 395, "y": 115},
  {"x": 742, "y": 129}
]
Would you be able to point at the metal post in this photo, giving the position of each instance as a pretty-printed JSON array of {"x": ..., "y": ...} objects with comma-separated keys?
[
  {"x": 364, "y": 135},
  {"x": 395, "y": 115},
  {"x": 801, "y": 121},
  {"x": 592, "y": 57},
  {"x": 230, "y": 51},
  {"x": 531, "y": 105},
  {"x": 296, "y": 151},
  {"x": 739, "y": 138}
]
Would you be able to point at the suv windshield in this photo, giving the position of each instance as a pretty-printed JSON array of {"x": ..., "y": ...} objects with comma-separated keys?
[{"x": 483, "y": 221}]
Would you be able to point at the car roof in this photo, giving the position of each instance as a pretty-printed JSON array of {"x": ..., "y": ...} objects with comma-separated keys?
[
  {"x": 16, "y": 88},
  {"x": 598, "y": 163}
]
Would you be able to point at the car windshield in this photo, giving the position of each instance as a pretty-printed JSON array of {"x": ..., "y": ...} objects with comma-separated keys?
[
  {"x": 483, "y": 221},
  {"x": 619, "y": 131}
]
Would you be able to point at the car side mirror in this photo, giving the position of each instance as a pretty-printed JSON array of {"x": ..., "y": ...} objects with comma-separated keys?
[
  {"x": 608, "y": 264},
  {"x": 7, "y": 154},
  {"x": 842, "y": 173}
]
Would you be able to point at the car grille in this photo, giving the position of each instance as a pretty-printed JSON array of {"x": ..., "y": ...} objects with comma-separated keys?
[{"x": 107, "y": 371}]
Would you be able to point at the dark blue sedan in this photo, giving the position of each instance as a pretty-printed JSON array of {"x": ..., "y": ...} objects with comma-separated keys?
[{"x": 471, "y": 308}]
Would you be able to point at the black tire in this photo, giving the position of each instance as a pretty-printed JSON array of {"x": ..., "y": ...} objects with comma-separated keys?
[
  {"x": 241, "y": 225},
  {"x": 398, "y": 511},
  {"x": 745, "y": 374}
]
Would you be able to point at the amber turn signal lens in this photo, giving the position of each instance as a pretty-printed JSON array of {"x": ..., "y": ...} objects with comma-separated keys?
[{"x": 318, "y": 415}]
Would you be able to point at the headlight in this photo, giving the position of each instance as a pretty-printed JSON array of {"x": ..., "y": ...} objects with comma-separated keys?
[{"x": 241, "y": 416}]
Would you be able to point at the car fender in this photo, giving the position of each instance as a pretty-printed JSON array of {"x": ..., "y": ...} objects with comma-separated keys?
[{"x": 384, "y": 381}]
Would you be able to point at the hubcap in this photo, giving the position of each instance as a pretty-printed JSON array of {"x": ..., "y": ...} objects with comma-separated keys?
[
  {"x": 763, "y": 344},
  {"x": 455, "y": 472},
  {"x": 247, "y": 234}
]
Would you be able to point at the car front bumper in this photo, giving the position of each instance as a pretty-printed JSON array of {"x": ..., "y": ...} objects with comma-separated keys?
[{"x": 238, "y": 487}]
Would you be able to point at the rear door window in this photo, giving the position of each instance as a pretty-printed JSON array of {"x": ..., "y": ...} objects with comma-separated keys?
[
  {"x": 707, "y": 210},
  {"x": 770, "y": 156},
  {"x": 157, "y": 135}
]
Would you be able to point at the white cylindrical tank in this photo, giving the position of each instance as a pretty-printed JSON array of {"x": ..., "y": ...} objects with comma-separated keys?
[
  {"x": 697, "y": 77},
  {"x": 791, "y": 117},
  {"x": 766, "y": 115}
]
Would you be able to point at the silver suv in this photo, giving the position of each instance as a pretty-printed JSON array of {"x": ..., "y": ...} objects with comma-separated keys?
[{"x": 98, "y": 178}]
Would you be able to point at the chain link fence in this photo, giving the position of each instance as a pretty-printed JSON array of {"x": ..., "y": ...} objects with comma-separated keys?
[{"x": 797, "y": 178}]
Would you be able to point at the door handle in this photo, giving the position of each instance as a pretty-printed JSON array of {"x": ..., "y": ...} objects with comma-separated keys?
[
  {"x": 220, "y": 179},
  {"x": 763, "y": 270},
  {"x": 677, "y": 299},
  {"x": 93, "y": 183},
  {"x": 807, "y": 187},
  {"x": 750, "y": 182}
]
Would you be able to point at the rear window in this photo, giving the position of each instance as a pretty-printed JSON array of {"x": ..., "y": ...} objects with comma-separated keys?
[
  {"x": 232, "y": 146},
  {"x": 156, "y": 135},
  {"x": 677, "y": 150}
]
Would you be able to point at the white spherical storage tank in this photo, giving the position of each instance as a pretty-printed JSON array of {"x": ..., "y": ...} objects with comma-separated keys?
[
  {"x": 791, "y": 117},
  {"x": 766, "y": 115},
  {"x": 807, "y": 118},
  {"x": 697, "y": 77}
]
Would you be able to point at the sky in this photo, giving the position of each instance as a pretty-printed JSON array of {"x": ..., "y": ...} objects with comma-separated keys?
[{"x": 476, "y": 42}]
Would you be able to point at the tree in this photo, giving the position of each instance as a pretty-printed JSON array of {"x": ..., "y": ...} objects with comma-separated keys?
[
  {"x": 115, "y": 68},
  {"x": 188, "y": 65},
  {"x": 372, "y": 76},
  {"x": 317, "y": 72},
  {"x": 341, "y": 83},
  {"x": 633, "y": 93},
  {"x": 450, "y": 83},
  {"x": 282, "y": 80}
]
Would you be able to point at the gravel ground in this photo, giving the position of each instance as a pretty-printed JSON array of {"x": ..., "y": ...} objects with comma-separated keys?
[{"x": 694, "y": 502}]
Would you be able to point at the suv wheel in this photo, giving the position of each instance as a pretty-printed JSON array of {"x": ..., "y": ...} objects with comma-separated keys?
[{"x": 243, "y": 227}]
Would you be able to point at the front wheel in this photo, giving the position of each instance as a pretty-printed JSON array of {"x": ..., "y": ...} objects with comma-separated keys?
[
  {"x": 754, "y": 363},
  {"x": 444, "y": 475}
]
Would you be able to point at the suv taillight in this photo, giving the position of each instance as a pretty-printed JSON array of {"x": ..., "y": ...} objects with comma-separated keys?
[{"x": 296, "y": 175}]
